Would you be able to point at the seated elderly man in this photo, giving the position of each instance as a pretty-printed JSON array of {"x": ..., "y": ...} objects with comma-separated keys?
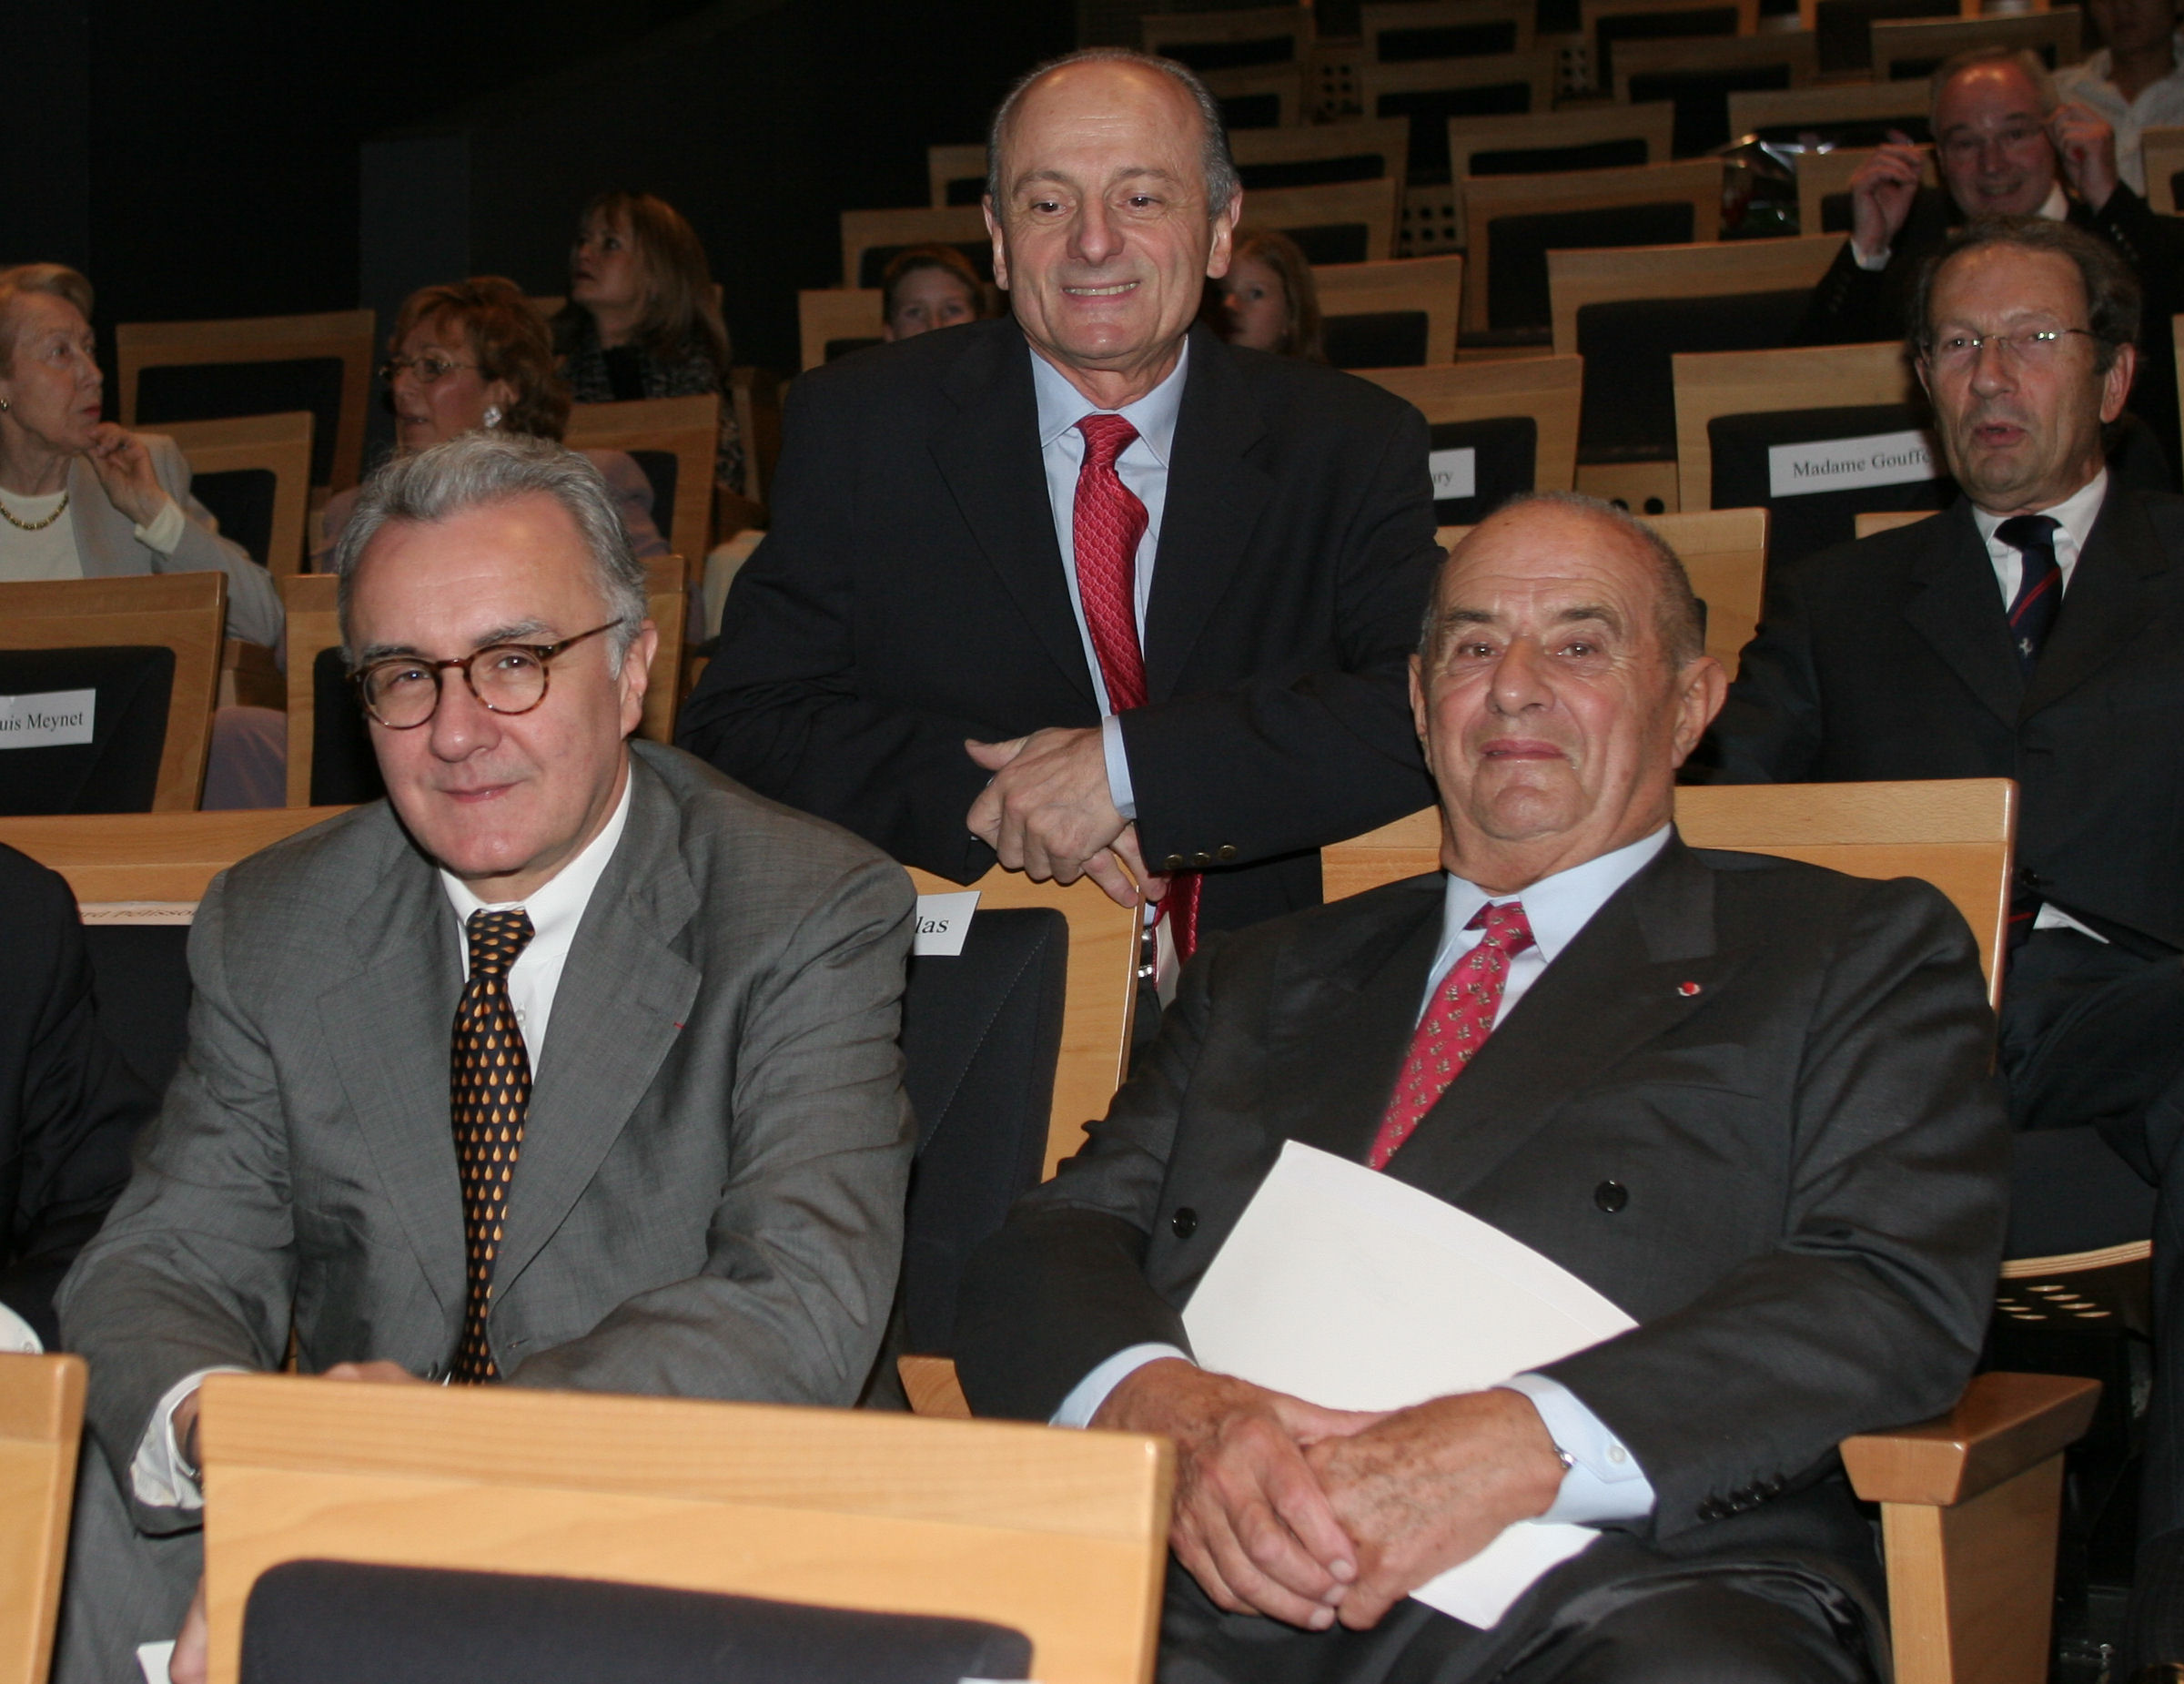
[
  {"x": 569, "y": 1064},
  {"x": 1744, "y": 1099},
  {"x": 2005, "y": 146}
]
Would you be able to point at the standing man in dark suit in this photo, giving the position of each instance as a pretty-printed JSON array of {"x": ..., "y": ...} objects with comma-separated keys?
[
  {"x": 2034, "y": 631},
  {"x": 2006, "y": 146},
  {"x": 1744, "y": 1099},
  {"x": 70, "y": 1104},
  {"x": 570, "y": 1064},
  {"x": 1085, "y": 590}
]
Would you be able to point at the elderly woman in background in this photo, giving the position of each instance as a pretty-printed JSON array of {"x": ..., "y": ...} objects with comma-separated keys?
[
  {"x": 84, "y": 499},
  {"x": 473, "y": 356},
  {"x": 643, "y": 317},
  {"x": 1268, "y": 300},
  {"x": 929, "y": 287}
]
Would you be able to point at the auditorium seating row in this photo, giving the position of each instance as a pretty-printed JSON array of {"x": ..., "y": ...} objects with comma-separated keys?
[{"x": 1056, "y": 1538}]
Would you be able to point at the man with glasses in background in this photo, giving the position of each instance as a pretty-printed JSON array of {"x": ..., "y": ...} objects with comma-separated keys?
[
  {"x": 570, "y": 1064},
  {"x": 2035, "y": 632},
  {"x": 2005, "y": 146}
]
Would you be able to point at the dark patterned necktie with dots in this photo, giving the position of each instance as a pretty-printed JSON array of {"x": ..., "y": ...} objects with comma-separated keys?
[{"x": 490, "y": 1091}]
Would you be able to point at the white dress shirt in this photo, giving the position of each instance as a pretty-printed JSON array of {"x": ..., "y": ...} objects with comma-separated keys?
[
  {"x": 2077, "y": 513},
  {"x": 2160, "y": 103},
  {"x": 1603, "y": 1481},
  {"x": 1143, "y": 468},
  {"x": 158, "y": 1472},
  {"x": 50, "y": 552}
]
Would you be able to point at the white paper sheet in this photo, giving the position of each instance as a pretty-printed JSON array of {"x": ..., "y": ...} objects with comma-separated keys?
[
  {"x": 943, "y": 921},
  {"x": 1355, "y": 1291}
]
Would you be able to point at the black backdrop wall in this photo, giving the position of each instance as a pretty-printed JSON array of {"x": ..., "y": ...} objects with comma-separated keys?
[{"x": 260, "y": 157}]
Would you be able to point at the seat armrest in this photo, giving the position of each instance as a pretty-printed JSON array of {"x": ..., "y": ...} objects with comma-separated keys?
[
  {"x": 932, "y": 1389},
  {"x": 2002, "y": 1426}
]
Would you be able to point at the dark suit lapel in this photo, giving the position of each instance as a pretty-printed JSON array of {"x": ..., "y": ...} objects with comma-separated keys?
[
  {"x": 623, "y": 997},
  {"x": 2106, "y": 603},
  {"x": 990, "y": 459},
  {"x": 1959, "y": 610},
  {"x": 388, "y": 1028},
  {"x": 1615, "y": 988},
  {"x": 1345, "y": 1022},
  {"x": 1214, "y": 494}
]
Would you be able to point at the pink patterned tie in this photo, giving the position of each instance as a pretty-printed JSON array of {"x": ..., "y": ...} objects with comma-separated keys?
[
  {"x": 1110, "y": 525},
  {"x": 1456, "y": 1025}
]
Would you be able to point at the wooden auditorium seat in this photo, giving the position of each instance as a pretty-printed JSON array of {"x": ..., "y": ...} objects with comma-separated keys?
[
  {"x": 41, "y": 1426},
  {"x": 225, "y": 455}
]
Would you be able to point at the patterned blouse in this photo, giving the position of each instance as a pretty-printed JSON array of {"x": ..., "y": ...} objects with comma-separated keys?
[{"x": 597, "y": 375}]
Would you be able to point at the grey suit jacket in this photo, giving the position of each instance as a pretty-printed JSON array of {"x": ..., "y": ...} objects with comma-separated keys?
[
  {"x": 107, "y": 547},
  {"x": 1782, "y": 1067},
  {"x": 710, "y": 1197}
]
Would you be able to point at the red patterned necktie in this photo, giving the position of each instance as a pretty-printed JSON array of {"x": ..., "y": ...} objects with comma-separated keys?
[
  {"x": 1456, "y": 1025},
  {"x": 1110, "y": 525},
  {"x": 490, "y": 1091}
]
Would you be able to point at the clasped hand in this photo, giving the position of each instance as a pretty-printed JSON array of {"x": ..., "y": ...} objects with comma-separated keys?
[
  {"x": 1047, "y": 812},
  {"x": 1311, "y": 1515}
]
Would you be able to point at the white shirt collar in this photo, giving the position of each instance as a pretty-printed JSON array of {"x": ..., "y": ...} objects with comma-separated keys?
[
  {"x": 1062, "y": 406},
  {"x": 2076, "y": 514},
  {"x": 557, "y": 905},
  {"x": 1556, "y": 906},
  {"x": 2057, "y": 206}
]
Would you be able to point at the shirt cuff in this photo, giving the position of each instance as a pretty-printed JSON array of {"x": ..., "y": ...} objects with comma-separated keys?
[
  {"x": 1079, "y": 1408},
  {"x": 1873, "y": 263},
  {"x": 2054, "y": 918},
  {"x": 164, "y": 533},
  {"x": 18, "y": 1336},
  {"x": 155, "y": 1472},
  {"x": 1604, "y": 1481},
  {"x": 1120, "y": 789}
]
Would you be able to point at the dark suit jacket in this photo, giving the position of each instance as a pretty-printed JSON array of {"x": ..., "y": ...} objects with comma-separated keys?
[
  {"x": 911, "y": 595},
  {"x": 1812, "y": 1148},
  {"x": 708, "y": 1200},
  {"x": 1891, "y": 658},
  {"x": 69, "y": 1105},
  {"x": 1854, "y": 306}
]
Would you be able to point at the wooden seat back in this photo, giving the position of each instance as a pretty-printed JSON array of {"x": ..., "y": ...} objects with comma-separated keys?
[
  {"x": 1247, "y": 89},
  {"x": 313, "y": 624},
  {"x": 276, "y": 444},
  {"x": 1546, "y": 388},
  {"x": 1100, "y": 994},
  {"x": 1752, "y": 382},
  {"x": 1823, "y": 176},
  {"x": 1957, "y": 834},
  {"x": 1227, "y": 40},
  {"x": 1754, "y": 110},
  {"x": 1696, "y": 182},
  {"x": 1376, "y": 206},
  {"x": 345, "y": 336},
  {"x": 919, "y": 225},
  {"x": 1062, "y": 1535},
  {"x": 688, "y": 428},
  {"x": 165, "y": 858},
  {"x": 1920, "y": 43},
  {"x": 667, "y": 604},
  {"x": 825, "y": 315},
  {"x": 41, "y": 1424},
  {"x": 1793, "y": 55},
  {"x": 1370, "y": 143},
  {"x": 1612, "y": 275},
  {"x": 1407, "y": 31},
  {"x": 1650, "y": 126},
  {"x": 1431, "y": 286},
  {"x": 184, "y": 611},
  {"x": 947, "y": 166},
  {"x": 1704, "y": 20}
]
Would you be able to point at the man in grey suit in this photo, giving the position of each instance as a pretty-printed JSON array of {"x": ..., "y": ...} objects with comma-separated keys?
[
  {"x": 664, "y": 1147},
  {"x": 1746, "y": 1099}
]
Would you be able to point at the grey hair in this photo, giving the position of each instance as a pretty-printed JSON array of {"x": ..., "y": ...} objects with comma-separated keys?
[
  {"x": 1971, "y": 58},
  {"x": 1678, "y": 614},
  {"x": 2113, "y": 303},
  {"x": 1219, "y": 168},
  {"x": 476, "y": 469}
]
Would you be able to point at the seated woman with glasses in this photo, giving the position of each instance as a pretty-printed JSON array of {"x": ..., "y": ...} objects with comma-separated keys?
[
  {"x": 475, "y": 356},
  {"x": 644, "y": 318}
]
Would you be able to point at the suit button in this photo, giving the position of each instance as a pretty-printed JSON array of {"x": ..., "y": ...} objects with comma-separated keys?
[
  {"x": 1185, "y": 1221},
  {"x": 1610, "y": 1196},
  {"x": 1174, "y": 862},
  {"x": 1226, "y": 852},
  {"x": 1712, "y": 1509},
  {"x": 1201, "y": 860}
]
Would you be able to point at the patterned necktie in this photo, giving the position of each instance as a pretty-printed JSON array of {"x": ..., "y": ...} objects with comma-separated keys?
[
  {"x": 1110, "y": 525},
  {"x": 2039, "y": 585},
  {"x": 1456, "y": 1025},
  {"x": 490, "y": 1082}
]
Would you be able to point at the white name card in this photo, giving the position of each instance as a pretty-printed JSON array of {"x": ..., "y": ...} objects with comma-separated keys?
[
  {"x": 943, "y": 921},
  {"x": 1455, "y": 473},
  {"x": 110, "y": 912},
  {"x": 1844, "y": 465},
  {"x": 49, "y": 721}
]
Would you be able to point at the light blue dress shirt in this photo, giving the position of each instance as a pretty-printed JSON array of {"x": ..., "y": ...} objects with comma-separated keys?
[
  {"x": 1143, "y": 468},
  {"x": 1603, "y": 1481}
]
